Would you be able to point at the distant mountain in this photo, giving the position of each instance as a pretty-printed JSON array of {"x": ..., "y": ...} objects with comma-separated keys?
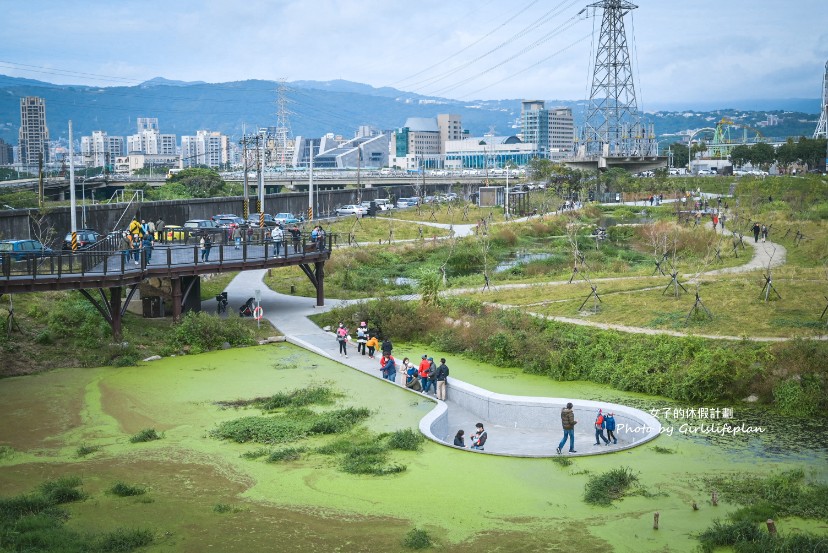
[
  {"x": 161, "y": 81},
  {"x": 319, "y": 107},
  {"x": 803, "y": 105}
]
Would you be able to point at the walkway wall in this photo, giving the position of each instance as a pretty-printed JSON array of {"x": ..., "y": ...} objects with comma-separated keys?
[
  {"x": 107, "y": 217},
  {"x": 525, "y": 412}
]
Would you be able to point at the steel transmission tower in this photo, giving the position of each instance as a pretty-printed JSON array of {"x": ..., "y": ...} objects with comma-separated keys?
[
  {"x": 822, "y": 127},
  {"x": 282, "y": 132},
  {"x": 613, "y": 126}
]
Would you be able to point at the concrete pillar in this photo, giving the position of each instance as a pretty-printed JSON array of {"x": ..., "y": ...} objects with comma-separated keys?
[
  {"x": 320, "y": 283},
  {"x": 176, "y": 299}
]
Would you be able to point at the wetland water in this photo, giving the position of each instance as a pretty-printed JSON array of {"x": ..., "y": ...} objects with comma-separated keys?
[{"x": 468, "y": 502}]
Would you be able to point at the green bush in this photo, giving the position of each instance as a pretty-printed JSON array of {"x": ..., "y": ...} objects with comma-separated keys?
[
  {"x": 145, "y": 435},
  {"x": 84, "y": 450},
  {"x": 62, "y": 490},
  {"x": 603, "y": 489},
  {"x": 125, "y": 490},
  {"x": 799, "y": 397},
  {"x": 407, "y": 439},
  {"x": 77, "y": 321},
  {"x": 124, "y": 540},
  {"x": 287, "y": 454},
  {"x": 204, "y": 332},
  {"x": 417, "y": 538}
]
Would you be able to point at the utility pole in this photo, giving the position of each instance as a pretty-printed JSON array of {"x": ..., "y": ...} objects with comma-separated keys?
[
  {"x": 262, "y": 181},
  {"x": 40, "y": 179},
  {"x": 310, "y": 182},
  {"x": 246, "y": 191},
  {"x": 73, "y": 225}
]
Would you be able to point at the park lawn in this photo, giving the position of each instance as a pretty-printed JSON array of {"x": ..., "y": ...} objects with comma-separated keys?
[
  {"x": 372, "y": 230},
  {"x": 734, "y": 302}
]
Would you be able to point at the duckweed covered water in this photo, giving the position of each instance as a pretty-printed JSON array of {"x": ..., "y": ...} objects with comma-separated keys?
[{"x": 465, "y": 501}]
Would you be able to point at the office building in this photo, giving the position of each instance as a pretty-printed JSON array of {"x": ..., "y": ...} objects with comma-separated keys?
[
  {"x": 489, "y": 152},
  {"x": 553, "y": 130},
  {"x": 205, "y": 148},
  {"x": 6, "y": 153},
  {"x": 34, "y": 135},
  {"x": 100, "y": 150}
]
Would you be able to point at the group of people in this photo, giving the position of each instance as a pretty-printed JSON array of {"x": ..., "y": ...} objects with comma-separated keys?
[
  {"x": 279, "y": 236},
  {"x": 139, "y": 237},
  {"x": 427, "y": 376},
  {"x": 759, "y": 229},
  {"x": 318, "y": 237},
  {"x": 478, "y": 439},
  {"x": 602, "y": 422}
]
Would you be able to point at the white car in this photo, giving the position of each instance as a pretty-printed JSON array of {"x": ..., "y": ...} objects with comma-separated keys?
[{"x": 351, "y": 209}]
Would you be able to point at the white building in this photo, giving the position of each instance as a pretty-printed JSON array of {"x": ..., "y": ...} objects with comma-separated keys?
[
  {"x": 489, "y": 152},
  {"x": 33, "y": 135},
  {"x": 205, "y": 148},
  {"x": 553, "y": 130},
  {"x": 100, "y": 150}
]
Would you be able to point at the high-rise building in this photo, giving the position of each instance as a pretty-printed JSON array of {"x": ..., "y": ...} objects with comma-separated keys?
[
  {"x": 553, "y": 130},
  {"x": 205, "y": 148},
  {"x": 100, "y": 150},
  {"x": 450, "y": 127},
  {"x": 147, "y": 124},
  {"x": 6, "y": 153},
  {"x": 34, "y": 135},
  {"x": 149, "y": 139}
]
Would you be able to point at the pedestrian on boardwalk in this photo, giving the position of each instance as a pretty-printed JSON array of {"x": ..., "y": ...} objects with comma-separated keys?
[
  {"x": 159, "y": 228},
  {"x": 388, "y": 366},
  {"x": 423, "y": 372},
  {"x": 442, "y": 377},
  {"x": 479, "y": 438},
  {"x": 362, "y": 337},
  {"x": 387, "y": 346},
  {"x": 148, "y": 246},
  {"x": 432, "y": 375},
  {"x": 205, "y": 244},
  {"x": 342, "y": 338},
  {"x": 151, "y": 229},
  {"x": 126, "y": 246},
  {"x": 278, "y": 237},
  {"x": 136, "y": 248},
  {"x": 458, "y": 439},
  {"x": 135, "y": 226},
  {"x": 412, "y": 377},
  {"x": 568, "y": 422},
  {"x": 236, "y": 235},
  {"x": 371, "y": 344},
  {"x": 599, "y": 429},
  {"x": 609, "y": 422},
  {"x": 296, "y": 236}
]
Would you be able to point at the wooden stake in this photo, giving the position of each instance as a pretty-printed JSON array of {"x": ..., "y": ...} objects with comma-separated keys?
[
  {"x": 771, "y": 527},
  {"x": 655, "y": 521},
  {"x": 695, "y": 506},
  {"x": 714, "y": 498}
]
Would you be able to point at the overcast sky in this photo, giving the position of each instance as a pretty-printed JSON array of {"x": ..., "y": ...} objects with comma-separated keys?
[{"x": 691, "y": 51}]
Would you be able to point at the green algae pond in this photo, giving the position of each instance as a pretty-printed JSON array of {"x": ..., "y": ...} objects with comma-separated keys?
[{"x": 207, "y": 493}]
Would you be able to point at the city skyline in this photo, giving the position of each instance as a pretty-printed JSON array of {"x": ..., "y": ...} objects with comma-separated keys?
[{"x": 680, "y": 53}]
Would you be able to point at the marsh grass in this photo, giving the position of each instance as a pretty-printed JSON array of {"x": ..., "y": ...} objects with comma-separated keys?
[
  {"x": 122, "y": 489},
  {"x": 746, "y": 536},
  {"x": 286, "y": 454},
  {"x": 370, "y": 460},
  {"x": 255, "y": 453},
  {"x": 562, "y": 461},
  {"x": 35, "y": 522},
  {"x": 406, "y": 439},
  {"x": 223, "y": 508},
  {"x": 603, "y": 489},
  {"x": 6, "y": 452},
  {"x": 145, "y": 435},
  {"x": 417, "y": 538},
  {"x": 663, "y": 450},
  {"x": 315, "y": 395},
  {"x": 289, "y": 426},
  {"x": 84, "y": 450}
]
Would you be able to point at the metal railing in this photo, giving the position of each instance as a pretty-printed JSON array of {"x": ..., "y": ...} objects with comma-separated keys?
[{"x": 105, "y": 259}]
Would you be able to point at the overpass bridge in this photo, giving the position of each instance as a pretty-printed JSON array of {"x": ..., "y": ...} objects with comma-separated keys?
[{"x": 116, "y": 275}]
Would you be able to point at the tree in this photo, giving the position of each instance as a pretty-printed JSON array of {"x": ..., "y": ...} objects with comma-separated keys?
[
  {"x": 787, "y": 153},
  {"x": 199, "y": 183},
  {"x": 740, "y": 155},
  {"x": 811, "y": 151},
  {"x": 681, "y": 155},
  {"x": 762, "y": 155}
]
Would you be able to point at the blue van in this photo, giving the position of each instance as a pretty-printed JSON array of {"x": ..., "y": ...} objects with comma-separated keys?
[{"x": 18, "y": 250}]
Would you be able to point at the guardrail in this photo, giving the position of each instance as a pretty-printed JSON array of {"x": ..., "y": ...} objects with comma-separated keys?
[{"x": 106, "y": 259}]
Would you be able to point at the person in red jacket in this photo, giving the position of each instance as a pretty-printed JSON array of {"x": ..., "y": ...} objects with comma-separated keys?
[{"x": 425, "y": 364}]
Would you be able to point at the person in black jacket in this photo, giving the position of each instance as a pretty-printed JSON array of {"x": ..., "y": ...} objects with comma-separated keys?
[
  {"x": 458, "y": 439},
  {"x": 387, "y": 347},
  {"x": 442, "y": 376}
]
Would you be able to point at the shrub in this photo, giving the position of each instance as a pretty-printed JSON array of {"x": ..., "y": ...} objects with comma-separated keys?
[
  {"x": 124, "y": 540},
  {"x": 604, "y": 488},
  {"x": 125, "y": 490},
  {"x": 287, "y": 454},
  {"x": 417, "y": 538},
  {"x": 62, "y": 490},
  {"x": 84, "y": 450},
  {"x": 798, "y": 396},
  {"x": 204, "y": 332},
  {"x": 145, "y": 435},
  {"x": 297, "y": 398},
  {"x": 407, "y": 439},
  {"x": 722, "y": 534},
  {"x": 369, "y": 459},
  {"x": 334, "y": 422}
]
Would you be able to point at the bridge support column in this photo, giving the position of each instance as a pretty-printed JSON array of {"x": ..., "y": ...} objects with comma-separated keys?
[
  {"x": 176, "y": 298},
  {"x": 111, "y": 308},
  {"x": 317, "y": 278}
]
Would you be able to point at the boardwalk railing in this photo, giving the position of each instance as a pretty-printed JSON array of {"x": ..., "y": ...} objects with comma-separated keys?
[{"x": 107, "y": 258}]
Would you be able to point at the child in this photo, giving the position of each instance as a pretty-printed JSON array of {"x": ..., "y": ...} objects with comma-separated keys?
[
  {"x": 342, "y": 338},
  {"x": 362, "y": 337},
  {"x": 371, "y": 344}
]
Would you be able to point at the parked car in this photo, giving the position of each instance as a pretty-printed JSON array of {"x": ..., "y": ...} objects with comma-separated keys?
[
  {"x": 18, "y": 250},
  {"x": 86, "y": 238},
  {"x": 407, "y": 202},
  {"x": 215, "y": 218},
  {"x": 384, "y": 204},
  {"x": 229, "y": 221},
  {"x": 285, "y": 218},
  {"x": 198, "y": 226},
  {"x": 351, "y": 209},
  {"x": 253, "y": 220}
]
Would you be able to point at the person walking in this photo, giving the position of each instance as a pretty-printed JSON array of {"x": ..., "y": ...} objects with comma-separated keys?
[
  {"x": 423, "y": 372},
  {"x": 126, "y": 246},
  {"x": 135, "y": 227},
  {"x": 296, "y": 236},
  {"x": 371, "y": 344},
  {"x": 278, "y": 236},
  {"x": 148, "y": 237},
  {"x": 442, "y": 377},
  {"x": 458, "y": 439},
  {"x": 479, "y": 438},
  {"x": 764, "y": 233},
  {"x": 342, "y": 338},
  {"x": 362, "y": 337},
  {"x": 160, "y": 225},
  {"x": 387, "y": 346},
  {"x": 599, "y": 429},
  {"x": 568, "y": 422},
  {"x": 609, "y": 422},
  {"x": 756, "y": 229},
  {"x": 136, "y": 248},
  {"x": 236, "y": 235}
]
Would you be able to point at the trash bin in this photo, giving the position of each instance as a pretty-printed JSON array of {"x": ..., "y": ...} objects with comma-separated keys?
[{"x": 153, "y": 307}]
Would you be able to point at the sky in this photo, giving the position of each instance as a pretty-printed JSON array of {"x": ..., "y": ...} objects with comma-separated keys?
[{"x": 681, "y": 52}]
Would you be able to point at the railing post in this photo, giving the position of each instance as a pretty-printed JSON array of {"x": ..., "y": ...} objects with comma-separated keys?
[
  {"x": 221, "y": 254},
  {"x": 169, "y": 258}
]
